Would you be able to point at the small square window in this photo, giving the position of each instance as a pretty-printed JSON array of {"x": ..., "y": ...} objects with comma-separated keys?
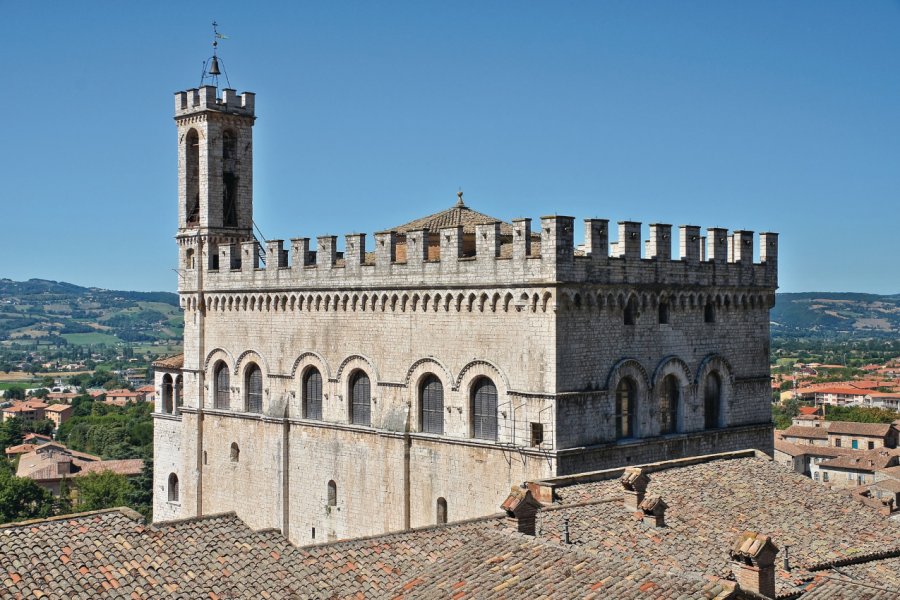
[{"x": 537, "y": 434}]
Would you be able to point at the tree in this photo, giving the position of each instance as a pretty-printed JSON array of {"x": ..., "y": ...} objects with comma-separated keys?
[
  {"x": 10, "y": 433},
  {"x": 21, "y": 498},
  {"x": 102, "y": 490},
  {"x": 15, "y": 392}
]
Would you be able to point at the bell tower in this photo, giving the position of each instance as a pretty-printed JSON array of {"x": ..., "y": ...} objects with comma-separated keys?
[{"x": 215, "y": 173}]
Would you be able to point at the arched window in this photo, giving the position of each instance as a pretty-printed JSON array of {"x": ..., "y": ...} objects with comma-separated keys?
[
  {"x": 189, "y": 258},
  {"x": 709, "y": 313},
  {"x": 235, "y": 452},
  {"x": 173, "y": 487},
  {"x": 668, "y": 405},
  {"x": 625, "y": 408},
  {"x": 222, "y": 390},
  {"x": 360, "y": 399},
  {"x": 332, "y": 493},
  {"x": 631, "y": 311},
  {"x": 192, "y": 179},
  {"x": 179, "y": 394},
  {"x": 312, "y": 394},
  {"x": 712, "y": 396},
  {"x": 441, "y": 511},
  {"x": 431, "y": 397},
  {"x": 663, "y": 313},
  {"x": 167, "y": 393},
  {"x": 253, "y": 387},
  {"x": 484, "y": 409}
]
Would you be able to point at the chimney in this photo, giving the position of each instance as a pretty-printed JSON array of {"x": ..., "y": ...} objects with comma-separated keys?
[
  {"x": 753, "y": 563},
  {"x": 521, "y": 510},
  {"x": 654, "y": 510},
  {"x": 635, "y": 483}
]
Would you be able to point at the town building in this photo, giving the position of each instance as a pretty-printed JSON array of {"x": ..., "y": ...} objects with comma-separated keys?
[
  {"x": 50, "y": 463},
  {"x": 58, "y": 413},
  {"x": 854, "y": 470},
  {"x": 28, "y": 410},
  {"x": 333, "y": 394}
]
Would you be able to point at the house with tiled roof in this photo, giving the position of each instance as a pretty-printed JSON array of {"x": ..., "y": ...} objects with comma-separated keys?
[
  {"x": 122, "y": 397},
  {"x": 48, "y": 464},
  {"x": 856, "y": 469},
  {"x": 58, "y": 413},
  {"x": 27, "y": 410}
]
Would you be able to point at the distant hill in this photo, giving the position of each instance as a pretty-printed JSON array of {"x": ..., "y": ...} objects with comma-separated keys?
[
  {"x": 835, "y": 314},
  {"x": 39, "y": 309}
]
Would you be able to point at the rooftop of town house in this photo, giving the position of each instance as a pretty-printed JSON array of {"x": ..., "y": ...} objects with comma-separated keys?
[
  {"x": 870, "y": 461},
  {"x": 863, "y": 429},
  {"x": 170, "y": 362},
  {"x": 804, "y": 431},
  {"x": 810, "y": 450}
]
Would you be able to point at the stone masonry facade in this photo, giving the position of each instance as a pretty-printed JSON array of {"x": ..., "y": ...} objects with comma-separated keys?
[{"x": 334, "y": 394}]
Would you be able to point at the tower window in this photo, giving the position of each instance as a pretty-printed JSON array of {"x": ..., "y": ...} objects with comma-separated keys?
[
  {"x": 222, "y": 393},
  {"x": 709, "y": 313},
  {"x": 192, "y": 179},
  {"x": 173, "y": 487},
  {"x": 484, "y": 409},
  {"x": 253, "y": 386},
  {"x": 431, "y": 396},
  {"x": 167, "y": 393},
  {"x": 625, "y": 409},
  {"x": 668, "y": 405},
  {"x": 537, "y": 434},
  {"x": 312, "y": 394},
  {"x": 630, "y": 312},
  {"x": 229, "y": 199},
  {"x": 235, "y": 452},
  {"x": 441, "y": 511},
  {"x": 360, "y": 399},
  {"x": 712, "y": 396},
  {"x": 663, "y": 313},
  {"x": 332, "y": 493}
]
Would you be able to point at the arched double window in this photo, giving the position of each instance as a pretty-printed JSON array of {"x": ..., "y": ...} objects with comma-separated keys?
[
  {"x": 167, "y": 390},
  {"x": 253, "y": 388},
  {"x": 669, "y": 399},
  {"x": 173, "y": 487},
  {"x": 484, "y": 409},
  {"x": 626, "y": 402},
  {"x": 360, "y": 399},
  {"x": 222, "y": 387},
  {"x": 431, "y": 397},
  {"x": 312, "y": 394},
  {"x": 712, "y": 398}
]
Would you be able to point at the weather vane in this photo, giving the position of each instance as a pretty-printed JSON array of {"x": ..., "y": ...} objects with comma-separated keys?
[{"x": 212, "y": 67}]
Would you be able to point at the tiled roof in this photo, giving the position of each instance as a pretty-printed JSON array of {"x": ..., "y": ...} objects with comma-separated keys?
[
  {"x": 849, "y": 428},
  {"x": 130, "y": 466},
  {"x": 112, "y": 554},
  {"x": 458, "y": 214},
  {"x": 874, "y": 580},
  {"x": 170, "y": 362},
  {"x": 868, "y": 461},
  {"x": 709, "y": 505},
  {"x": 59, "y": 408},
  {"x": 803, "y": 431},
  {"x": 809, "y": 410}
]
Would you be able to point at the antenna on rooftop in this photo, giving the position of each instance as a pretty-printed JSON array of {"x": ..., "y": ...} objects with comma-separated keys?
[{"x": 213, "y": 67}]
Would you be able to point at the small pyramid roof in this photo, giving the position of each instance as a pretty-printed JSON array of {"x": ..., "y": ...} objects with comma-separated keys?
[{"x": 456, "y": 215}]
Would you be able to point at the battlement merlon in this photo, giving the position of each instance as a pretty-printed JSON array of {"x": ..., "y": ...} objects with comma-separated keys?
[
  {"x": 408, "y": 260},
  {"x": 196, "y": 100}
]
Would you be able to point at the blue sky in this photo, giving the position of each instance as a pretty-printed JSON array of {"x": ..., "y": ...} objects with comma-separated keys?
[{"x": 780, "y": 116}]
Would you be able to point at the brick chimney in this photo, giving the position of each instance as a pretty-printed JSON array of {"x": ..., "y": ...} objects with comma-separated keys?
[
  {"x": 635, "y": 483},
  {"x": 753, "y": 563},
  {"x": 521, "y": 510},
  {"x": 654, "y": 510}
]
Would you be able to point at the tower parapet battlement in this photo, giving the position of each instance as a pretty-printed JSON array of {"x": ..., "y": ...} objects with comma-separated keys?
[
  {"x": 196, "y": 100},
  {"x": 441, "y": 258}
]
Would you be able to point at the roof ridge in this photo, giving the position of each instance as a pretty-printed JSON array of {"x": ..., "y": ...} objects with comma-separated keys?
[
  {"x": 207, "y": 517},
  {"x": 123, "y": 510}
]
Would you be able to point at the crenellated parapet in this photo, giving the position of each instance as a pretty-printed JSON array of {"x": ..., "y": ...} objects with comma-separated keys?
[
  {"x": 417, "y": 258},
  {"x": 195, "y": 100}
]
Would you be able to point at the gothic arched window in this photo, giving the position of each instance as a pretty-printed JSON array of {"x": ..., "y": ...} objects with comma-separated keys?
[
  {"x": 235, "y": 453},
  {"x": 712, "y": 397},
  {"x": 222, "y": 391},
  {"x": 668, "y": 405},
  {"x": 484, "y": 409},
  {"x": 625, "y": 408},
  {"x": 332, "y": 493},
  {"x": 312, "y": 394},
  {"x": 179, "y": 394},
  {"x": 253, "y": 384},
  {"x": 360, "y": 399},
  {"x": 431, "y": 397}
]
